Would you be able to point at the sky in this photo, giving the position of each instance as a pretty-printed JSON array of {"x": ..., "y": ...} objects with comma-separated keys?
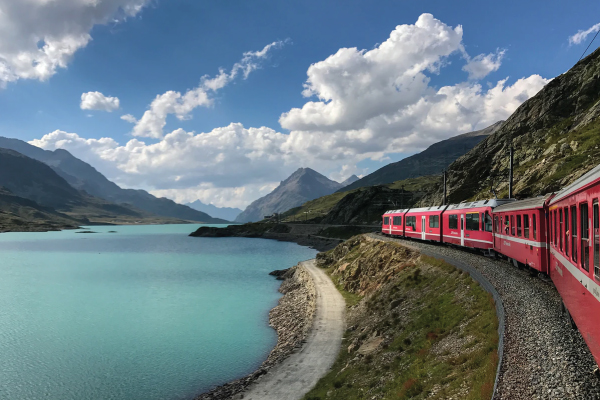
[{"x": 221, "y": 100}]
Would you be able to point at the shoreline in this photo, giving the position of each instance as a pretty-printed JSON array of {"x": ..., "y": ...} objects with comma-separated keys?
[{"x": 292, "y": 318}]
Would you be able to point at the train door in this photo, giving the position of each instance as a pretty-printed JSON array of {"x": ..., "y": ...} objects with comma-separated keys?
[
  {"x": 495, "y": 233},
  {"x": 462, "y": 229},
  {"x": 423, "y": 230}
]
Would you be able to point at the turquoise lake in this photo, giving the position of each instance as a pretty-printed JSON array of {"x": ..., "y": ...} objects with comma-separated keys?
[{"x": 143, "y": 313}]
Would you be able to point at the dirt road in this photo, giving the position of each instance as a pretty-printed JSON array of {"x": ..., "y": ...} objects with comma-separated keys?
[{"x": 300, "y": 372}]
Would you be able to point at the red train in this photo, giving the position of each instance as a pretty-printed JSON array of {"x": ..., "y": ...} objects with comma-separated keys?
[{"x": 557, "y": 235}]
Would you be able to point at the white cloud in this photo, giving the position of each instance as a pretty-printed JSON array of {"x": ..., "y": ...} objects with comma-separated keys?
[
  {"x": 129, "y": 118},
  {"x": 368, "y": 104},
  {"x": 481, "y": 65},
  {"x": 181, "y": 105},
  {"x": 581, "y": 35},
  {"x": 39, "y": 36},
  {"x": 98, "y": 101}
]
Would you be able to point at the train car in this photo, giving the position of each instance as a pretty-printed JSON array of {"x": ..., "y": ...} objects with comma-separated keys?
[
  {"x": 470, "y": 224},
  {"x": 424, "y": 223},
  {"x": 520, "y": 232},
  {"x": 393, "y": 222},
  {"x": 574, "y": 238}
]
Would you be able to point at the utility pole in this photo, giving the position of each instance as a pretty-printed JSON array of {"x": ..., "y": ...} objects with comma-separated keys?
[
  {"x": 444, "y": 188},
  {"x": 510, "y": 174}
]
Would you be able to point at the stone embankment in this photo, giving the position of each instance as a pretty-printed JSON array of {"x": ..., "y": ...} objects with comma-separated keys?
[
  {"x": 544, "y": 358},
  {"x": 292, "y": 318}
]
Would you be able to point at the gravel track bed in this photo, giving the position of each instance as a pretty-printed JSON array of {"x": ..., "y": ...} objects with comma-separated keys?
[{"x": 543, "y": 357}]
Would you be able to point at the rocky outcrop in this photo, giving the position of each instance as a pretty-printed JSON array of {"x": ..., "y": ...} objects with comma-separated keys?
[
  {"x": 292, "y": 319},
  {"x": 555, "y": 135}
]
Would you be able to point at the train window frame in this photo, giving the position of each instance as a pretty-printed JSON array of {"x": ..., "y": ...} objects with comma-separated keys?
[
  {"x": 397, "y": 220},
  {"x": 519, "y": 226},
  {"x": 453, "y": 221},
  {"x": 411, "y": 221},
  {"x": 488, "y": 224},
  {"x": 386, "y": 220},
  {"x": 496, "y": 222},
  {"x": 574, "y": 254},
  {"x": 526, "y": 226},
  {"x": 596, "y": 237},
  {"x": 566, "y": 235},
  {"x": 560, "y": 229},
  {"x": 472, "y": 221},
  {"x": 512, "y": 225},
  {"x": 506, "y": 225},
  {"x": 434, "y": 221},
  {"x": 534, "y": 225},
  {"x": 584, "y": 228}
]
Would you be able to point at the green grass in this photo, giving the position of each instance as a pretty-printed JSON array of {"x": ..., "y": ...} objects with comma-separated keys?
[
  {"x": 420, "y": 184},
  {"x": 343, "y": 232},
  {"x": 412, "y": 370},
  {"x": 315, "y": 208}
]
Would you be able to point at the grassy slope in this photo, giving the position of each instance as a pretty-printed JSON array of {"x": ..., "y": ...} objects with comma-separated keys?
[
  {"x": 321, "y": 206},
  {"x": 439, "y": 327}
]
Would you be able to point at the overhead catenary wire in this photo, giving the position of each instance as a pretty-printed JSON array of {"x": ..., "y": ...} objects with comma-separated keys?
[{"x": 586, "y": 49}]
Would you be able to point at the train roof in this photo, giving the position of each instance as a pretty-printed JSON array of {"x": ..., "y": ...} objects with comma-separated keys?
[
  {"x": 534, "y": 202},
  {"x": 426, "y": 209},
  {"x": 585, "y": 180},
  {"x": 479, "y": 203},
  {"x": 396, "y": 211}
]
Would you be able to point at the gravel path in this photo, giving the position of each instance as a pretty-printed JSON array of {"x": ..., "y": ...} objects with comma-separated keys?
[
  {"x": 543, "y": 357},
  {"x": 299, "y": 373}
]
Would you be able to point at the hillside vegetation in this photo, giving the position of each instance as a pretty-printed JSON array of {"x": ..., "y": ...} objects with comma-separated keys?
[{"x": 417, "y": 327}]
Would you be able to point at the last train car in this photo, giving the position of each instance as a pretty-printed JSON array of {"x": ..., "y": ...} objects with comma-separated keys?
[
  {"x": 470, "y": 224},
  {"x": 393, "y": 223},
  {"x": 573, "y": 226},
  {"x": 424, "y": 223},
  {"x": 520, "y": 232}
]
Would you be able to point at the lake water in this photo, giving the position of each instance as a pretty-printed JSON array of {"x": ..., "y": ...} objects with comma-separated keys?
[{"x": 143, "y": 313}]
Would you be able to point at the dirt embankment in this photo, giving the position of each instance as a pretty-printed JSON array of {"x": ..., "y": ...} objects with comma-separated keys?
[
  {"x": 418, "y": 327},
  {"x": 292, "y": 319}
]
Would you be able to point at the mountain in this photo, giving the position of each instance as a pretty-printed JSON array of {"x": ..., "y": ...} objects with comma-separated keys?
[
  {"x": 226, "y": 213},
  {"x": 83, "y": 176},
  {"x": 303, "y": 185},
  {"x": 350, "y": 180},
  {"x": 20, "y": 214},
  {"x": 555, "y": 136},
  {"x": 431, "y": 161}
]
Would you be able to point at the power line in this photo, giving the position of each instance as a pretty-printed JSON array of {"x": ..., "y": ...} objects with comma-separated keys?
[{"x": 586, "y": 49}]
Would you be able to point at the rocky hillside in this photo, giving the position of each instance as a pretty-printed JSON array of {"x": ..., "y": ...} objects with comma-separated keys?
[
  {"x": 83, "y": 176},
  {"x": 417, "y": 327},
  {"x": 555, "y": 134},
  {"x": 303, "y": 185},
  {"x": 431, "y": 161}
]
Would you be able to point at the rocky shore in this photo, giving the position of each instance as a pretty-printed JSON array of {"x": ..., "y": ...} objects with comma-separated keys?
[
  {"x": 303, "y": 234},
  {"x": 292, "y": 318}
]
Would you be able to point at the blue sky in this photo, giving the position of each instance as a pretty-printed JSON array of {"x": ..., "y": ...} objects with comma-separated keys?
[{"x": 161, "y": 46}]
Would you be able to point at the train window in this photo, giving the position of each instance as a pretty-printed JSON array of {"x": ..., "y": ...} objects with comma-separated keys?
[
  {"x": 596, "y": 242},
  {"x": 555, "y": 227},
  {"x": 567, "y": 231},
  {"x": 496, "y": 228},
  {"x": 560, "y": 229},
  {"x": 506, "y": 225},
  {"x": 472, "y": 222},
  {"x": 411, "y": 221},
  {"x": 453, "y": 221},
  {"x": 488, "y": 222},
  {"x": 512, "y": 225},
  {"x": 386, "y": 221},
  {"x": 534, "y": 225},
  {"x": 526, "y": 226},
  {"x": 434, "y": 221},
  {"x": 397, "y": 221},
  {"x": 574, "y": 234},
  {"x": 519, "y": 225},
  {"x": 585, "y": 236}
]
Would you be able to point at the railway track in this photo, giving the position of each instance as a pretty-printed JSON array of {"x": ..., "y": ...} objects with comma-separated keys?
[{"x": 543, "y": 357}]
